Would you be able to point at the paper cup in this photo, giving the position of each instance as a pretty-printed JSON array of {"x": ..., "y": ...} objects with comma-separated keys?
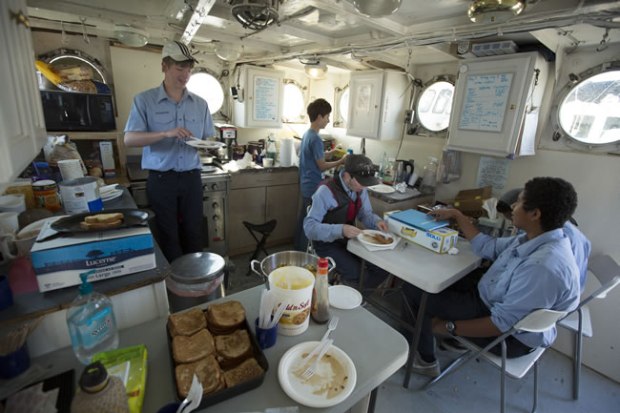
[
  {"x": 9, "y": 223},
  {"x": 293, "y": 286},
  {"x": 70, "y": 169},
  {"x": 267, "y": 162}
]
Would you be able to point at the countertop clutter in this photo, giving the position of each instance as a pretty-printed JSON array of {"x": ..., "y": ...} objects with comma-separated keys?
[{"x": 32, "y": 305}]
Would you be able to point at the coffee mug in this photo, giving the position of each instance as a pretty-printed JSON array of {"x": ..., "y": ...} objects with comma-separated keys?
[
  {"x": 9, "y": 224},
  {"x": 7, "y": 245},
  {"x": 12, "y": 203}
]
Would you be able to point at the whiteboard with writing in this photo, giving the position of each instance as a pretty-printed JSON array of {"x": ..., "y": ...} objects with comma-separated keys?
[
  {"x": 492, "y": 96},
  {"x": 485, "y": 101},
  {"x": 265, "y": 98}
]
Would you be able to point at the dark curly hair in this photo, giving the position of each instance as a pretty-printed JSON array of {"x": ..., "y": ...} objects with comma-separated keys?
[
  {"x": 554, "y": 197},
  {"x": 318, "y": 107}
]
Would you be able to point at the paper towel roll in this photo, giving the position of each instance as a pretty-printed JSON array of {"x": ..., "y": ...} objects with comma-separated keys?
[{"x": 286, "y": 152}]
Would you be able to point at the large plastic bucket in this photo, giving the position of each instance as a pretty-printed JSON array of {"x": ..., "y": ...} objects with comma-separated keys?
[{"x": 293, "y": 286}]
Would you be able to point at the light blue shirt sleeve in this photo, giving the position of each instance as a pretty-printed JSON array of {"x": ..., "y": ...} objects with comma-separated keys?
[
  {"x": 527, "y": 275},
  {"x": 581, "y": 248},
  {"x": 322, "y": 201}
]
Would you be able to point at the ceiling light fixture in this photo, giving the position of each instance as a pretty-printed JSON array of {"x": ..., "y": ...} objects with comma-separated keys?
[
  {"x": 130, "y": 36},
  {"x": 314, "y": 68},
  {"x": 494, "y": 11},
  {"x": 255, "y": 14},
  {"x": 376, "y": 8},
  {"x": 227, "y": 51}
]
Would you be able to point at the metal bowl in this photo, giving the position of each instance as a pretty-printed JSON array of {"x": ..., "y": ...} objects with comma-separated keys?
[{"x": 284, "y": 258}]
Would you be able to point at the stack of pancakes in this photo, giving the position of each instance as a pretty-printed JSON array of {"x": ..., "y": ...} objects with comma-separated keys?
[{"x": 215, "y": 346}]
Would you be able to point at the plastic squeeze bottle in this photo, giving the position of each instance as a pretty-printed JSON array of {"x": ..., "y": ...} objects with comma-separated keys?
[
  {"x": 98, "y": 392},
  {"x": 320, "y": 294},
  {"x": 91, "y": 322}
]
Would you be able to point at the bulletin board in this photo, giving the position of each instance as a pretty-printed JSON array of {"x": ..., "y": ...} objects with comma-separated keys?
[{"x": 491, "y": 98}]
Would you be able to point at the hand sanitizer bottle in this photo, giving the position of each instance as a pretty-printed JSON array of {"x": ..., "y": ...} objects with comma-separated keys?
[{"x": 91, "y": 322}]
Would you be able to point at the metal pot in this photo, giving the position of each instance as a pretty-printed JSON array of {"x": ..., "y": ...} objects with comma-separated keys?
[
  {"x": 284, "y": 258},
  {"x": 195, "y": 279}
]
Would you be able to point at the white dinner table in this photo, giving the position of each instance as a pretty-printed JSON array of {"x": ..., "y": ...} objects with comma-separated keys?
[{"x": 429, "y": 271}]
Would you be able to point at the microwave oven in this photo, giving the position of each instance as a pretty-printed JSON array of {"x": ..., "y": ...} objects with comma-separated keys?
[{"x": 69, "y": 111}]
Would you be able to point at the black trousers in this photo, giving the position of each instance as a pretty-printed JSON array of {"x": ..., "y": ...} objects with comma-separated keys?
[
  {"x": 461, "y": 301},
  {"x": 176, "y": 199}
]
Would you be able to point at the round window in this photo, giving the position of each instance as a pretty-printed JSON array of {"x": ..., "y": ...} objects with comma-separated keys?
[
  {"x": 589, "y": 111},
  {"x": 434, "y": 106},
  {"x": 293, "y": 111},
  {"x": 207, "y": 87}
]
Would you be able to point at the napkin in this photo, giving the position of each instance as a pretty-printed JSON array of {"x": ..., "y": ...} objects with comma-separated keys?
[{"x": 490, "y": 205}]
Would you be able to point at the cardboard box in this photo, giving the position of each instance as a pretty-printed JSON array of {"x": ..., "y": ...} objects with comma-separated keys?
[
  {"x": 59, "y": 261},
  {"x": 107, "y": 159},
  {"x": 469, "y": 201},
  {"x": 439, "y": 240}
]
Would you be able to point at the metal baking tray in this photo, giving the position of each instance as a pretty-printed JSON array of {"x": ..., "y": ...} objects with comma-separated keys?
[{"x": 227, "y": 393}]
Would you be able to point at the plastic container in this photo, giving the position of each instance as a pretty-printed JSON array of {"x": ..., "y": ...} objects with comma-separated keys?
[
  {"x": 195, "y": 279},
  {"x": 320, "y": 295},
  {"x": 293, "y": 286},
  {"x": 272, "y": 150},
  {"x": 91, "y": 322},
  {"x": 99, "y": 392},
  {"x": 429, "y": 176}
]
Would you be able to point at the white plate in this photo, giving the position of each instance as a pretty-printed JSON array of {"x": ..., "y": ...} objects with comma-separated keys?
[
  {"x": 365, "y": 237},
  {"x": 110, "y": 195},
  {"x": 344, "y": 297},
  {"x": 331, "y": 373},
  {"x": 382, "y": 189},
  {"x": 205, "y": 144}
]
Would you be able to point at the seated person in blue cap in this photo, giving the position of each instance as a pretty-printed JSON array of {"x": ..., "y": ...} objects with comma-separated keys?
[{"x": 330, "y": 223}]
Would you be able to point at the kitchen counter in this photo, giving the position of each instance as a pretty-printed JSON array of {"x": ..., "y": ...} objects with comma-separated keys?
[{"x": 32, "y": 305}]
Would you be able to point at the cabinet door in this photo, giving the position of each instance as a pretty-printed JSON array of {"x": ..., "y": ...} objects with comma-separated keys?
[
  {"x": 261, "y": 99},
  {"x": 246, "y": 204},
  {"x": 22, "y": 128},
  {"x": 282, "y": 205},
  {"x": 365, "y": 104}
]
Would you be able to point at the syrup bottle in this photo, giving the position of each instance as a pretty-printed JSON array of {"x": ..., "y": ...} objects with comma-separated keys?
[{"x": 320, "y": 295}]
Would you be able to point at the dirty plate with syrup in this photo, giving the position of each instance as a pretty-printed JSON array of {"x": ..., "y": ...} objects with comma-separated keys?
[
  {"x": 375, "y": 238},
  {"x": 332, "y": 383}
]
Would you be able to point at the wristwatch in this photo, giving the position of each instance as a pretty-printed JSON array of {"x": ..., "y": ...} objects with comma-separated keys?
[{"x": 451, "y": 327}]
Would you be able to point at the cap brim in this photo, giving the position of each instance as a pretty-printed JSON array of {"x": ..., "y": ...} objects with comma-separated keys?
[
  {"x": 366, "y": 180},
  {"x": 182, "y": 58}
]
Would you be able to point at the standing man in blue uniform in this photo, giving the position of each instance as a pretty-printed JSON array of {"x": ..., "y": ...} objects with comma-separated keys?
[
  {"x": 160, "y": 121},
  {"x": 312, "y": 163}
]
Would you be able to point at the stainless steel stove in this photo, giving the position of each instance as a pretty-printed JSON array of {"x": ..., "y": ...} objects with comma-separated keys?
[{"x": 215, "y": 184}]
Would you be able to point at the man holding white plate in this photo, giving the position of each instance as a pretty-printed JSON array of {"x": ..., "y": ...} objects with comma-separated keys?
[{"x": 330, "y": 223}]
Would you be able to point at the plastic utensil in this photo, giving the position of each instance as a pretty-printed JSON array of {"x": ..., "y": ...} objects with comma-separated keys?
[
  {"x": 277, "y": 315},
  {"x": 333, "y": 323},
  {"x": 194, "y": 397},
  {"x": 311, "y": 369}
]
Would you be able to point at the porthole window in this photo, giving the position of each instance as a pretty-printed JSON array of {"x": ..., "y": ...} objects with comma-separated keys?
[
  {"x": 434, "y": 105},
  {"x": 341, "y": 111},
  {"x": 589, "y": 107},
  {"x": 294, "y": 111},
  {"x": 205, "y": 85}
]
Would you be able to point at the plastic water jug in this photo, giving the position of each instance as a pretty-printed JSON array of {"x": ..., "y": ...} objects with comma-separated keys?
[{"x": 429, "y": 178}]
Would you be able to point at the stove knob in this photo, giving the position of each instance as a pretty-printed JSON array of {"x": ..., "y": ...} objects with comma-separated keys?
[{"x": 214, "y": 187}]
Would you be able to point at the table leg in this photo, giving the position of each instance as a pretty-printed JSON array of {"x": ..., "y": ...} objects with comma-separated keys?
[
  {"x": 416, "y": 338},
  {"x": 362, "y": 271}
]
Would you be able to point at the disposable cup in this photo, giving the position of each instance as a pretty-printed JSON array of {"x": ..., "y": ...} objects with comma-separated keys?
[
  {"x": 266, "y": 337},
  {"x": 292, "y": 285},
  {"x": 267, "y": 162},
  {"x": 12, "y": 203}
]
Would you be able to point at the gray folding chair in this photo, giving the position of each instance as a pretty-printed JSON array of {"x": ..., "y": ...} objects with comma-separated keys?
[
  {"x": 517, "y": 367},
  {"x": 607, "y": 272}
]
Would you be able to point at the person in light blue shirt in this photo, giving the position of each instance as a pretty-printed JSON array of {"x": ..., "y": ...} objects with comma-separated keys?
[
  {"x": 312, "y": 163},
  {"x": 161, "y": 120},
  {"x": 532, "y": 270},
  {"x": 330, "y": 223},
  {"x": 580, "y": 245}
]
